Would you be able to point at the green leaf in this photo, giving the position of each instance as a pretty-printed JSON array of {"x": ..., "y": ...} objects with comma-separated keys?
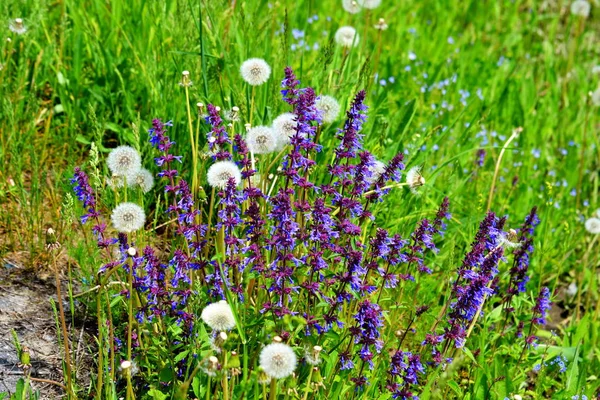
[
  {"x": 157, "y": 394},
  {"x": 166, "y": 374},
  {"x": 181, "y": 355},
  {"x": 573, "y": 372}
]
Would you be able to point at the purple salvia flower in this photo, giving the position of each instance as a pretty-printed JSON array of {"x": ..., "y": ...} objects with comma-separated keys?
[
  {"x": 542, "y": 305},
  {"x": 407, "y": 367},
  {"x": 366, "y": 333},
  {"x": 218, "y": 140},
  {"x": 289, "y": 85},
  {"x": 522, "y": 255},
  {"x": 480, "y": 157}
]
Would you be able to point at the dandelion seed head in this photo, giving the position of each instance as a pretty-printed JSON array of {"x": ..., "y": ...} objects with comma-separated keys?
[
  {"x": 376, "y": 170},
  {"x": 329, "y": 108},
  {"x": 381, "y": 25},
  {"x": 128, "y": 217},
  {"x": 255, "y": 71},
  {"x": 278, "y": 360},
  {"x": 261, "y": 140},
  {"x": 415, "y": 179},
  {"x": 233, "y": 114},
  {"x": 346, "y": 36},
  {"x": 17, "y": 26},
  {"x": 219, "y": 317},
  {"x": 124, "y": 161},
  {"x": 313, "y": 356},
  {"x": 142, "y": 178},
  {"x": 369, "y": 4},
  {"x": 592, "y": 225},
  {"x": 352, "y": 6},
  {"x": 596, "y": 97},
  {"x": 115, "y": 181},
  {"x": 284, "y": 127},
  {"x": 220, "y": 172},
  {"x": 581, "y": 8}
]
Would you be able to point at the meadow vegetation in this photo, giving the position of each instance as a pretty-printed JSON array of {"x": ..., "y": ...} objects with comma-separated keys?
[{"x": 310, "y": 199}]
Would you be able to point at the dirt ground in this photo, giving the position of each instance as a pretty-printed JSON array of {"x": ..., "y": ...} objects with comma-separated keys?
[{"x": 25, "y": 308}]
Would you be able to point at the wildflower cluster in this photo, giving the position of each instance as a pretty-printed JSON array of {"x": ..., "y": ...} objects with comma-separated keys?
[{"x": 293, "y": 247}]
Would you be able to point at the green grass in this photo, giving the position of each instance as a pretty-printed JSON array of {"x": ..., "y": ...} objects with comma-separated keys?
[{"x": 99, "y": 71}]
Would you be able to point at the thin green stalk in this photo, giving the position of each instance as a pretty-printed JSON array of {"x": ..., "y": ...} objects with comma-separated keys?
[
  {"x": 273, "y": 389},
  {"x": 129, "y": 328},
  {"x": 193, "y": 144},
  {"x": 65, "y": 333},
  {"x": 307, "y": 388},
  {"x": 100, "y": 345},
  {"x": 497, "y": 170}
]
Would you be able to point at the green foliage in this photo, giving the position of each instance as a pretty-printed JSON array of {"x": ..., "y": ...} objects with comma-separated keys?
[{"x": 91, "y": 74}]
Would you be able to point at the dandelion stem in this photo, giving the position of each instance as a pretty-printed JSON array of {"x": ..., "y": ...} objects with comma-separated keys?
[
  {"x": 63, "y": 324},
  {"x": 307, "y": 388},
  {"x": 192, "y": 143},
  {"x": 510, "y": 139},
  {"x": 99, "y": 382},
  {"x": 129, "y": 328},
  {"x": 273, "y": 389}
]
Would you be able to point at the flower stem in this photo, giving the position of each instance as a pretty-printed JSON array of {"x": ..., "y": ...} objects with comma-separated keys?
[
  {"x": 273, "y": 389},
  {"x": 129, "y": 328},
  {"x": 497, "y": 170},
  {"x": 63, "y": 324}
]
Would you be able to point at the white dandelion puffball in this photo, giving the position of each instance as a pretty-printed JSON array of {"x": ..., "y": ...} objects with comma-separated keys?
[
  {"x": 128, "y": 217},
  {"x": 329, "y": 108},
  {"x": 261, "y": 140},
  {"x": 351, "y": 6},
  {"x": 580, "y": 8},
  {"x": 218, "y": 316},
  {"x": 376, "y": 170},
  {"x": 142, "y": 178},
  {"x": 124, "y": 161},
  {"x": 284, "y": 126},
  {"x": 596, "y": 97},
  {"x": 414, "y": 178},
  {"x": 592, "y": 225},
  {"x": 17, "y": 26},
  {"x": 220, "y": 172},
  {"x": 278, "y": 360},
  {"x": 115, "y": 181},
  {"x": 346, "y": 36},
  {"x": 369, "y": 4},
  {"x": 255, "y": 71}
]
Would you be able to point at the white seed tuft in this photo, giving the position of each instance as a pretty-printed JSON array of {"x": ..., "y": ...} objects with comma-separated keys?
[
  {"x": 376, "y": 169},
  {"x": 592, "y": 225},
  {"x": 284, "y": 127},
  {"x": 369, "y": 4},
  {"x": 346, "y": 36},
  {"x": 17, "y": 26},
  {"x": 352, "y": 6},
  {"x": 219, "y": 317},
  {"x": 415, "y": 179},
  {"x": 261, "y": 140},
  {"x": 581, "y": 8},
  {"x": 124, "y": 161},
  {"x": 128, "y": 217},
  {"x": 329, "y": 108},
  {"x": 255, "y": 71},
  {"x": 220, "y": 172},
  {"x": 142, "y": 178},
  {"x": 278, "y": 360},
  {"x": 596, "y": 97}
]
